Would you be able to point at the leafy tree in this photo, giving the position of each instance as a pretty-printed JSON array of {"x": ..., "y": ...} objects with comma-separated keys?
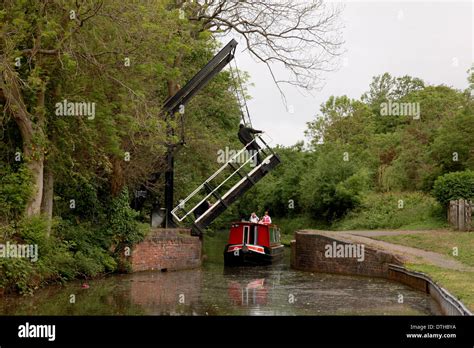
[{"x": 334, "y": 182}]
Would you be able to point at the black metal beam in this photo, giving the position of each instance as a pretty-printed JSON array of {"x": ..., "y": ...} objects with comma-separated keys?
[
  {"x": 182, "y": 97},
  {"x": 200, "y": 80}
]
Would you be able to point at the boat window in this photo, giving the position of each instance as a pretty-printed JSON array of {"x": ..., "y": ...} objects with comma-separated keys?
[
  {"x": 251, "y": 237},
  {"x": 246, "y": 234}
]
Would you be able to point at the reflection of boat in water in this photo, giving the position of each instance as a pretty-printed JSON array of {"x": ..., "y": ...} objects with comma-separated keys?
[
  {"x": 252, "y": 293},
  {"x": 253, "y": 244}
]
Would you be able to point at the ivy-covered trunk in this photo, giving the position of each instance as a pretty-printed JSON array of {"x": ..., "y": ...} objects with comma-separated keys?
[
  {"x": 48, "y": 194},
  {"x": 31, "y": 134}
]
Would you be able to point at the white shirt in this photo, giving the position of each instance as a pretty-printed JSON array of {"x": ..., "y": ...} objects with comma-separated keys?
[{"x": 254, "y": 219}]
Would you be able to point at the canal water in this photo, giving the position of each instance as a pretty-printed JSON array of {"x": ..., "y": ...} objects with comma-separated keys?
[{"x": 214, "y": 290}]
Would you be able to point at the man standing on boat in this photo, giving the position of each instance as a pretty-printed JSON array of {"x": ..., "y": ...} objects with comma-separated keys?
[
  {"x": 267, "y": 220},
  {"x": 254, "y": 218},
  {"x": 246, "y": 136}
]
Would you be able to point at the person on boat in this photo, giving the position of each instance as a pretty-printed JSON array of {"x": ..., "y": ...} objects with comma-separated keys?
[
  {"x": 246, "y": 136},
  {"x": 267, "y": 220},
  {"x": 254, "y": 218}
]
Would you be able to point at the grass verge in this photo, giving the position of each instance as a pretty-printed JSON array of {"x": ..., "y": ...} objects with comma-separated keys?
[
  {"x": 458, "y": 283},
  {"x": 442, "y": 242}
]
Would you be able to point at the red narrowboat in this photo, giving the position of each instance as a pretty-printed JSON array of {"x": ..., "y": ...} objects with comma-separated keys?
[{"x": 253, "y": 244}]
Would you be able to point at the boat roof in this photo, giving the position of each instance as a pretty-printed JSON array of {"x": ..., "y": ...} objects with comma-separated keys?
[{"x": 252, "y": 223}]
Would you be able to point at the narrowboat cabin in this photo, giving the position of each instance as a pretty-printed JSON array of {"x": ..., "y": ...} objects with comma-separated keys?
[{"x": 253, "y": 244}]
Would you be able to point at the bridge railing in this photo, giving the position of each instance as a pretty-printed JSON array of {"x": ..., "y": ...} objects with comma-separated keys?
[{"x": 214, "y": 187}]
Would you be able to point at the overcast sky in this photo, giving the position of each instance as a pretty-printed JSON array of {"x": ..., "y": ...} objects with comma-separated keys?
[{"x": 432, "y": 40}]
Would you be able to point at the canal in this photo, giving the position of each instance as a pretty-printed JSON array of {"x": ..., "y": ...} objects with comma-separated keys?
[{"x": 213, "y": 290}]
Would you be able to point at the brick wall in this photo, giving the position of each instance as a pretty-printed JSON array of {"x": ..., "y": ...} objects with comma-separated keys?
[
  {"x": 167, "y": 249},
  {"x": 308, "y": 254}
]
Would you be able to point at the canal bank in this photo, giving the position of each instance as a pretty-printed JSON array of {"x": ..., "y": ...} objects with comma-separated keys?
[
  {"x": 350, "y": 254},
  {"x": 214, "y": 290}
]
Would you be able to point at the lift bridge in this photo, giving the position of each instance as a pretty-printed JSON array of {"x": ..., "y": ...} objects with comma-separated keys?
[
  {"x": 227, "y": 184},
  {"x": 230, "y": 181}
]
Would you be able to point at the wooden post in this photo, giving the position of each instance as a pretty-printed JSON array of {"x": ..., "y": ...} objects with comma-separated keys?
[
  {"x": 461, "y": 215},
  {"x": 468, "y": 216},
  {"x": 453, "y": 214}
]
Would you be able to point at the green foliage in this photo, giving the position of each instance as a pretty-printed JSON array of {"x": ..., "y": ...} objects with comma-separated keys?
[
  {"x": 279, "y": 191},
  {"x": 86, "y": 156},
  {"x": 413, "y": 210},
  {"x": 453, "y": 145},
  {"x": 452, "y": 186},
  {"x": 332, "y": 186},
  {"x": 88, "y": 247},
  {"x": 59, "y": 258},
  {"x": 121, "y": 225},
  {"x": 16, "y": 275},
  {"x": 357, "y": 153},
  {"x": 15, "y": 190},
  {"x": 23, "y": 275},
  {"x": 288, "y": 225},
  {"x": 74, "y": 250}
]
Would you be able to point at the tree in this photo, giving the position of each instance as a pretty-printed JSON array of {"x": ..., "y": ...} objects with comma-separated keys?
[
  {"x": 120, "y": 57},
  {"x": 277, "y": 32},
  {"x": 33, "y": 36},
  {"x": 334, "y": 182},
  {"x": 385, "y": 87},
  {"x": 126, "y": 59},
  {"x": 342, "y": 120}
]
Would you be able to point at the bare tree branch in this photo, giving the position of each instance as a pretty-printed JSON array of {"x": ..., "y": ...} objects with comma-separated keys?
[{"x": 301, "y": 35}]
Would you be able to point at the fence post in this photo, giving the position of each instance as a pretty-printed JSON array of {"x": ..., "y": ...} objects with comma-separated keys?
[
  {"x": 453, "y": 214},
  {"x": 468, "y": 215},
  {"x": 462, "y": 215}
]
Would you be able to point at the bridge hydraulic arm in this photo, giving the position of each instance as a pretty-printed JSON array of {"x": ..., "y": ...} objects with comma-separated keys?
[
  {"x": 200, "y": 80},
  {"x": 179, "y": 100}
]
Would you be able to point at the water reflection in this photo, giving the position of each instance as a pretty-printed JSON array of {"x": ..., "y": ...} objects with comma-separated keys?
[
  {"x": 215, "y": 290},
  {"x": 245, "y": 294}
]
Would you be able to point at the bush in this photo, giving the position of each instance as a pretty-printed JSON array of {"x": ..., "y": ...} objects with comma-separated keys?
[
  {"x": 16, "y": 275},
  {"x": 329, "y": 193},
  {"x": 15, "y": 190},
  {"x": 456, "y": 185},
  {"x": 383, "y": 210},
  {"x": 21, "y": 274},
  {"x": 73, "y": 250},
  {"x": 121, "y": 224}
]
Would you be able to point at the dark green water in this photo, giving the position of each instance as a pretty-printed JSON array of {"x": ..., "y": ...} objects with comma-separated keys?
[{"x": 212, "y": 290}]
